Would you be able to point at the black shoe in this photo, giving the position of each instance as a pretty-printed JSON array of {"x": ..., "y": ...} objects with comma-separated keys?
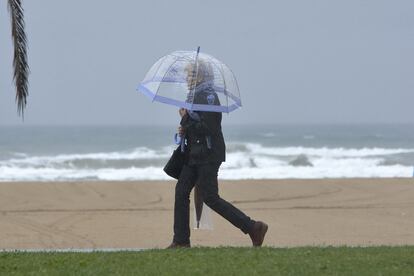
[
  {"x": 175, "y": 245},
  {"x": 258, "y": 233}
]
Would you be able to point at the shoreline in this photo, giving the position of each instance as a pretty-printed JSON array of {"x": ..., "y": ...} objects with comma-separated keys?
[{"x": 220, "y": 180}]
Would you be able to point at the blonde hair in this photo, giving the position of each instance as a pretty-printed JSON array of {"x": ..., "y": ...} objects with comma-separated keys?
[{"x": 204, "y": 71}]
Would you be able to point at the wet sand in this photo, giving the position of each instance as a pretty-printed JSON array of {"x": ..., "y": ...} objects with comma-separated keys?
[{"x": 48, "y": 215}]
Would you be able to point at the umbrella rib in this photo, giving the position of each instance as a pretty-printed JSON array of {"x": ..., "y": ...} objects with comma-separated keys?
[
  {"x": 161, "y": 60},
  {"x": 158, "y": 88},
  {"x": 225, "y": 88},
  {"x": 158, "y": 68},
  {"x": 237, "y": 84},
  {"x": 224, "y": 81}
]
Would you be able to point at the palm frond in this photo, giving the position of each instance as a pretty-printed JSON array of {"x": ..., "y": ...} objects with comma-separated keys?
[{"x": 20, "y": 63}]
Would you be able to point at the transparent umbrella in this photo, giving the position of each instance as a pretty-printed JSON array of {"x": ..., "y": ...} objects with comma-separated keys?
[{"x": 192, "y": 80}]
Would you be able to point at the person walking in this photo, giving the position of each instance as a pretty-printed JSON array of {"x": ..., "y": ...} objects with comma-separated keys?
[{"x": 204, "y": 152}]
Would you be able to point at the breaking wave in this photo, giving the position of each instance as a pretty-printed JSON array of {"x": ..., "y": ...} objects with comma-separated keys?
[{"x": 244, "y": 161}]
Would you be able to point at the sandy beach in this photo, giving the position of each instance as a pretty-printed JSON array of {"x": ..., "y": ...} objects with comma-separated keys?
[{"x": 40, "y": 215}]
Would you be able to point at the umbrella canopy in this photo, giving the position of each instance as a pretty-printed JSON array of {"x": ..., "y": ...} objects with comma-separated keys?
[{"x": 192, "y": 80}]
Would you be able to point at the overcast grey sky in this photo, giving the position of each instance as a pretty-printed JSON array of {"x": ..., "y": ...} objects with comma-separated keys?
[{"x": 295, "y": 61}]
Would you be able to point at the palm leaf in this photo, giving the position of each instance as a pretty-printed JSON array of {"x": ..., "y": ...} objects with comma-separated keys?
[{"x": 21, "y": 67}]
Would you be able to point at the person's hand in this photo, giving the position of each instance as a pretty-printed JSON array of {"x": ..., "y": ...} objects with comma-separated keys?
[
  {"x": 181, "y": 131},
  {"x": 182, "y": 112}
]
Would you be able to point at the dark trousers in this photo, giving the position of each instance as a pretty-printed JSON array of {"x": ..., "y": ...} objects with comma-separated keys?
[{"x": 206, "y": 178}]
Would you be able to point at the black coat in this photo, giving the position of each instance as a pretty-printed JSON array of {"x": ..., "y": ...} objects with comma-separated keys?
[{"x": 197, "y": 132}]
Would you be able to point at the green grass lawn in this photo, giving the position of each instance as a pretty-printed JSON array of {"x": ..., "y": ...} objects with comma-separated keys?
[{"x": 217, "y": 261}]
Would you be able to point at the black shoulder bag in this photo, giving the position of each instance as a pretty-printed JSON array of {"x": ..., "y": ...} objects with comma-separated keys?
[{"x": 175, "y": 164}]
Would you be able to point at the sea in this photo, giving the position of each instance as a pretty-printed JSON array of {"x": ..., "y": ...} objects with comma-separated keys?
[{"x": 88, "y": 153}]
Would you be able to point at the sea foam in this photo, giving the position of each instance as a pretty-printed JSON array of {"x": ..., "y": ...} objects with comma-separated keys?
[{"x": 243, "y": 161}]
